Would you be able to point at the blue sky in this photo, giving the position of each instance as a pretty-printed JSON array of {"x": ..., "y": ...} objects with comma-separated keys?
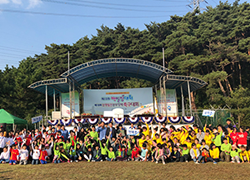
[{"x": 24, "y": 34}]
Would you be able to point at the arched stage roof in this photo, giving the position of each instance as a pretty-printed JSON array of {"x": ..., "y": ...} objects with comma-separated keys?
[{"x": 115, "y": 67}]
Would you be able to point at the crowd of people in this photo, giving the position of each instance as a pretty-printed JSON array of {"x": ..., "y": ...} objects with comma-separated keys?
[{"x": 108, "y": 142}]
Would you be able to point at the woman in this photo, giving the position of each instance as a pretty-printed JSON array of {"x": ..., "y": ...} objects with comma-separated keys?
[
  {"x": 200, "y": 135},
  {"x": 242, "y": 137}
]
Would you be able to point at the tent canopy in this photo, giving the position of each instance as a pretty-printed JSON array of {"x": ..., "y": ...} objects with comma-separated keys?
[{"x": 8, "y": 118}]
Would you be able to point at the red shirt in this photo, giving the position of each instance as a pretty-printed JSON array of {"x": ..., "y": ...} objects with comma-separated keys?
[
  {"x": 242, "y": 138},
  {"x": 43, "y": 155},
  {"x": 234, "y": 137},
  {"x": 14, "y": 154},
  {"x": 135, "y": 153}
]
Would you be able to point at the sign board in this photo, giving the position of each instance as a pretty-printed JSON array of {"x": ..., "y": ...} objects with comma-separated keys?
[
  {"x": 36, "y": 119},
  {"x": 66, "y": 105},
  {"x": 172, "y": 106},
  {"x": 208, "y": 113},
  {"x": 56, "y": 115},
  {"x": 108, "y": 114},
  {"x": 99, "y": 100},
  {"x": 133, "y": 132}
]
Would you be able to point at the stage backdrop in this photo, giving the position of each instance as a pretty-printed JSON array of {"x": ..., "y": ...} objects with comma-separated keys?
[
  {"x": 172, "y": 107},
  {"x": 66, "y": 105},
  {"x": 98, "y": 101}
]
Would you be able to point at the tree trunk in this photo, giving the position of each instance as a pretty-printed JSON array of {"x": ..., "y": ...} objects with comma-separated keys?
[
  {"x": 222, "y": 88},
  {"x": 240, "y": 74}
]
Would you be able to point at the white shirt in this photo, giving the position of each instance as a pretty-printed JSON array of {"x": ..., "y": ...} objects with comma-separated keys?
[
  {"x": 36, "y": 154},
  {"x": 5, "y": 155},
  {"x": 23, "y": 154},
  {"x": 2, "y": 141}
]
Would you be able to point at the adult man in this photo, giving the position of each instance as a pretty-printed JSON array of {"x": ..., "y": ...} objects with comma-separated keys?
[
  {"x": 65, "y": 133},
  {"x": 132, "y": 127},
  {"x": 102, "y": 130},
  {"x": 112, "y": 130}
]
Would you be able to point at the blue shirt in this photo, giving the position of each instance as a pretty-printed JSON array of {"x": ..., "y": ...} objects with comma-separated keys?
[
  {"x": 65, "y": 134},
  {"x": 102, "y": 132}
]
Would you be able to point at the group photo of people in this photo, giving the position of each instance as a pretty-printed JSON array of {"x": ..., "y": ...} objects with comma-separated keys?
[{"x": 109, "y": 142}]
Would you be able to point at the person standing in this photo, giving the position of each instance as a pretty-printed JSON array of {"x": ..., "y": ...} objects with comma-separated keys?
[
  {"x": 65, "y": 133},
  {"x": 112, "y": 130},
  {"x": 102, "y": 131},
  {"x": 2, "y": 141}
]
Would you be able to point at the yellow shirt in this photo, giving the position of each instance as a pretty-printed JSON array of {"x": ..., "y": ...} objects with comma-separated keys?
[
  {"x": 198, "y": 146},
  {"x": 196, "y": 130},
  {"x": 141, "y": 141},
  {"x": 243, "y": 154},
  {"x": 192, "y": 138},
  {"x": 147, "y": 131},
  {"x": 189, "y": 145},
  {"x": 215, "y": 153},
  {"x": 208, "y": 139}
]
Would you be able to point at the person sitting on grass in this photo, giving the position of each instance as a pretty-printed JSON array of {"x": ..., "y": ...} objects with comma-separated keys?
[
  {"x": 225, "y": 150},
  {"x": 205, "y": 155},
  {"x": 96, "y": 154},
  {"x": 244, "y": 156},
  {"x": 24, "y": 155},
  {"x": 159, "y": 155},
  {"x": 195, "y": 154},
  {"x": 89, "y": 154},
  {"x": 144, "y": 152},
  {"x": 175, "y": 155},
  {"x": 234, "y": 153},
  {"x": 214, "y": 153},
  {"x": 122, "y": 154},
  {"x": 135, "y": 153},
  {"x": 43, "y": 155},
  {"x": 111, "y": 154},
  {"x": 5, "y": 155},
  {"x": 184, "y": 153}
]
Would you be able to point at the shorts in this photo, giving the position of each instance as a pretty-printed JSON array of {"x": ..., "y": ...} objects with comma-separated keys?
[
  {"x": 12, "y": 161},
  {"x": 242, "y": 145}
]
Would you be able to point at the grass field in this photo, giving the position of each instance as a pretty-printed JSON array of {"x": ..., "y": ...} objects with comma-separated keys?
[{"x": 126, "y": 170}]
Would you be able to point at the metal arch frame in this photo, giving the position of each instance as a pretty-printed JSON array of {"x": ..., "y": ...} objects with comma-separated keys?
[
  {"x": 48, "y": 82},
  {"x": 115, "y": 61}
]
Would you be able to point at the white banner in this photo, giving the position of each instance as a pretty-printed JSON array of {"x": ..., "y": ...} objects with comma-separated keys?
[
  {"x": 133, "y": 132},
  {"x": 98, "y": 101},
  {"x": 208, "y": 113},
  {"x": 172, "y": 106},
  {"x": 66, "y": 105},
  {"x": 36, "y": 119}
]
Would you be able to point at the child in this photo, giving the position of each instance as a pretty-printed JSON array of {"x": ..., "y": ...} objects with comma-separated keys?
[
  {"x": 144, "y": 152},
  {"x": 214, "y": 153},
  {"x": 111, "y": 154},
  {"x": 235, "y": 154},
  {"x": 204, "y": 145},
  {"x": 135, "y": 153},
  {"x": 88, "y": 155},
  {"x": 159, "y": 154},
  {"x": 205, "y": 155},
  {"x": 24, "y": 154},
  {"x": 72, "y": 153},
  {"x": 79, "y": 151},
  {"x": 14, "y": 153},
  {"x": 103, "y": 144},
  {"x": 184, "y": 153},
  {"x": 5, "y": 155},
  {"x": 43, "y": 155},
  {"x": 96, "y": 154},
  {"x": 175, "y": 155},
  {"x": 225, "y": 150},
  {"x": 195, "y": 154},
  {"x": 244, "y": 154},
  {"x": 188, "y": 143},
  {"x": 35, "y": 154},
  {"x": 123, "y": 154}
]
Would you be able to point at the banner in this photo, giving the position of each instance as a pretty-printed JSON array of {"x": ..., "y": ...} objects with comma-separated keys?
[
  {"x": 133, "y": 132},
  {"x": 66, "y": 105},
  {"x": 36, "y": 119},
  {"x": 99, "y": 100},
  {"x": 172, "y": 106},
  {"x": 208, "y": 113}
]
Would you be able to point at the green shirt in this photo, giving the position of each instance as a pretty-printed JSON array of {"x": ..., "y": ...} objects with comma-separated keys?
[
  {"x": 217, "y": 139},
  {"x": 111, "y": 155},
  {"x": 184, "y": 152},
  {"x": 226, "y": 147},
  {"x": 103, "y": 149},
  {"x": 234, "y": 153},
  {"x": 94, "y": 135}
]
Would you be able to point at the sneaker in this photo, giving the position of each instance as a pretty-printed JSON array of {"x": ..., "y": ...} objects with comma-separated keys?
[
  {"x": 232, "y": 161},
  {"x": 14, "y": 163},
  {"x": 238, "y": 162},
  {"x": 101, "y": 160},
  {"x": 186, "y": 161},
  {"x": 197, "y": 162},
  {"x": 76, "y": 160},
  {"x": 156, "y": 162},
  {"x": 71, "y": 161},
  {"x": 88, "y": 160},
  {"x": 163, "y": 162}
]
